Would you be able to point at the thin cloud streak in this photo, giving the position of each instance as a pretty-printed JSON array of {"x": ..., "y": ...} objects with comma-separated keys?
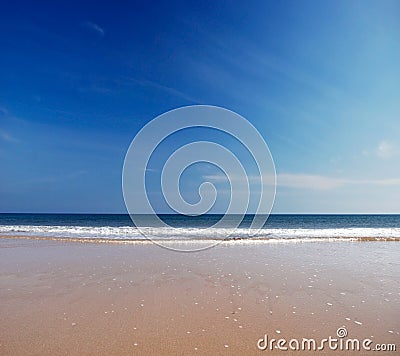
[
  {"x": 5, "y": 136},
  {"x": 308, "y": 181},
  {"x": 94, "y": 27},
  {"x": 56, "y": 179},
  {"x": 168, "y": 90}
]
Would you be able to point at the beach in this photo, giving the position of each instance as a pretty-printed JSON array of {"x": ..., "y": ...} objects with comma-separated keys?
[
  {"x": 76, "y": 298},
  {"x": 200, "y": 178}
]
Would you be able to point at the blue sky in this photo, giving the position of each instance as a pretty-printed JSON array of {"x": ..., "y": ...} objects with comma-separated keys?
[{"x": 319, "y": 80}]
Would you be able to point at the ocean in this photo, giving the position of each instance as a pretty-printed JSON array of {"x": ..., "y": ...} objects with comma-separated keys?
[{"x": 277, "y": 228}]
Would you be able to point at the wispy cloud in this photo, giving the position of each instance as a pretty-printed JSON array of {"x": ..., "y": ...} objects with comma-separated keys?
[
  {"x": 311, "y": 181},
  {"x": 5, "y": 136},
  {"x": 386, "y": 149},
  {"x": 164, "y": 88},
  {"x": 94, "y": 27},
  {"x": 251, "y": 61},
  {"x": 308, "y": 181},
  {"x": 3, "y": 111},
  {"x": 65, "y": 177}
]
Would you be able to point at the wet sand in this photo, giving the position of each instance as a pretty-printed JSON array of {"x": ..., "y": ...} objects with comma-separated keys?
[{"x": 70, "y": 298}]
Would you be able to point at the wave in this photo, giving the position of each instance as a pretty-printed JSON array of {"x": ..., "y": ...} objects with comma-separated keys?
[{"x": 182, "y": 234}]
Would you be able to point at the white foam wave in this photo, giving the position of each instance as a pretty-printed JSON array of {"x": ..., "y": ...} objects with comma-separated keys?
[{"x": 129, "y": 232}]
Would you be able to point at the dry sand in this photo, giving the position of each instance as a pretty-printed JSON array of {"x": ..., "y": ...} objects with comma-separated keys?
[{"x": 69, "y": 298}]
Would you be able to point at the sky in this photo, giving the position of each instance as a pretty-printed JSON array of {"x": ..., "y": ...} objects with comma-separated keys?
[{"x": 319, "y": 80}]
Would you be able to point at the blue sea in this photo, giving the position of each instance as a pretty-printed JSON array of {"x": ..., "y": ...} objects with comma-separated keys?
[{"x": 277, "y": 227}]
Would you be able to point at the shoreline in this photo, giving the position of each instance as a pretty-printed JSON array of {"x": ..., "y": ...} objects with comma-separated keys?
[
  {"x": 233, "y": 240},
  {"x": 64, "y": 297}
]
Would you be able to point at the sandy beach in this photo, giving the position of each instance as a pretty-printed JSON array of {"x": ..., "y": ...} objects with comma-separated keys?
[
  {"x": 101, "y": 299},
  {"x": 199, "y": 178}
]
